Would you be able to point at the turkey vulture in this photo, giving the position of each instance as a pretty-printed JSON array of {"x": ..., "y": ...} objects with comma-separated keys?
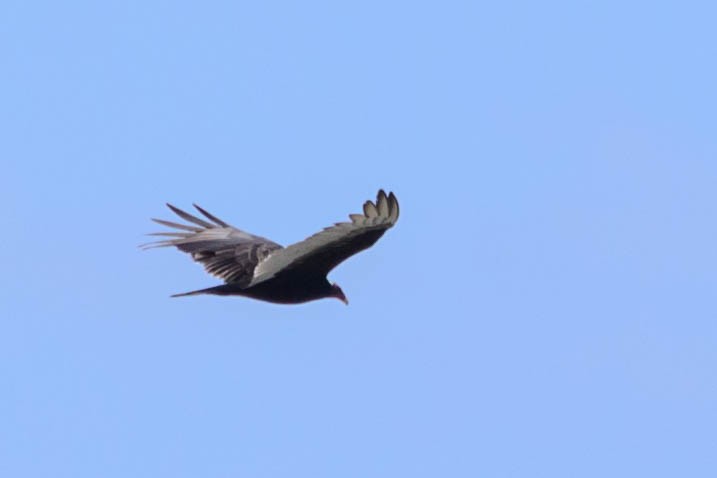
[{"x": 255, "y": 267}]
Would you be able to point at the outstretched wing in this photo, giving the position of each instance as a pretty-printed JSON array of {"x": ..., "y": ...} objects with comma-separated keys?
[
  {"x": 225, "y": 251},
  {"x": 325, "y": 250}
]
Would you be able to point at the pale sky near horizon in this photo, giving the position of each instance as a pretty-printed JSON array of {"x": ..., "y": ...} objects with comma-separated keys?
[{"x": 544, "y": 307}]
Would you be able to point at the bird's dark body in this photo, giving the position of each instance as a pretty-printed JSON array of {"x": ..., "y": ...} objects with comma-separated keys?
[
  {"x": 258, "y": 268},
  {"x": 280, "y": 290}
]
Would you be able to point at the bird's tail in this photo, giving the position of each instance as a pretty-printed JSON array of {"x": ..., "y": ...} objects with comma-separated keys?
[{"x": 224, "y": 289}]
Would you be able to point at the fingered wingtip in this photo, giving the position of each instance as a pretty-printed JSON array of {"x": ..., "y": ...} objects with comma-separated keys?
[{"x": 210, "y": 216}]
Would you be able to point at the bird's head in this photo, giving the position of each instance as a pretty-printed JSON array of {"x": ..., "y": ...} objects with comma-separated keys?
[{"x": 338, "y": 293}]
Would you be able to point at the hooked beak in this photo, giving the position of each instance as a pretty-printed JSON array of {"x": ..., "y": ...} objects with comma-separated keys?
[{"x": 339, "y": 294}]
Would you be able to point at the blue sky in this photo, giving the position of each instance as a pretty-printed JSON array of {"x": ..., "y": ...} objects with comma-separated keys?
[{"x": 544, "y": 307}]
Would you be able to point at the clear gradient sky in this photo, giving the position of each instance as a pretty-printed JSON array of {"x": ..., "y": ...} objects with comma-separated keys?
[{"x": 545, "y": 307}]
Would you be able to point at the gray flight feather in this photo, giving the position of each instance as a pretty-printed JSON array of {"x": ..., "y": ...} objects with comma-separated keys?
[
  {"x": 325, "y": 250},
  {"x": 225, "y": 251}
]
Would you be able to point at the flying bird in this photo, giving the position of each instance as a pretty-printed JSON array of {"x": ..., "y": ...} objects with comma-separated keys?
[{"x": 255, "y": 267}]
